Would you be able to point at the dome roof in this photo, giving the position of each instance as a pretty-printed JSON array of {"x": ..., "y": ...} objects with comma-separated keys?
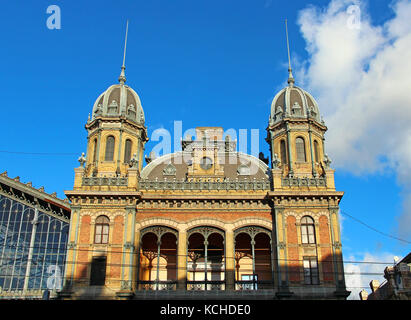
[
  {"x": 294, "y": 102},
  {"x": 119, "y": 100},
  {"x": 175, "y": 165}
]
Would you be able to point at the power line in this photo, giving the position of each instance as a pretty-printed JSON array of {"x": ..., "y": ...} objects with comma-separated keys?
[
  {"x": 374, "y": 229},
  {"x": 40, "y": 153}
]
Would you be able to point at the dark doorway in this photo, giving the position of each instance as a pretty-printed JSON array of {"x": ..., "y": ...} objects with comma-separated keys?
[{"x": 98, "y": 271}]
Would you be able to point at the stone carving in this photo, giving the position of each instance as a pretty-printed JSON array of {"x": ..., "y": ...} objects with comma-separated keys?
[
  {"x": 169, "y": 170},
  {"x": 133, "y": 161},
  {"x": 243, "y": 170},
  {"x": 313, "y": 113},
  {"x": 82, "y": 160},
  {"x": 112, "y": 108},
  {"x": 99, "y": 109},
  {"x": 278, "y": 113},
  {"x": 276, "y": 161},
  {"x": 105, "y": 181},
  {"x": 151, "y": 157},
  {"x": 296, "y": 109},
  {"x": 131, "y": 111},
  {"x": 327, "y": 161},
  {"x": 305, "y": 182}
]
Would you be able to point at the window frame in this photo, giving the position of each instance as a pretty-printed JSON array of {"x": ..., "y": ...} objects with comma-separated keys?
[
  {"x": 283, "y": 151},
  {"x": 308, "y": 231},
  {"x": 102, "y": 230},
  {"x": 310, "y": 270},
  {"x": 95, "y": 150},
  {"x": 316, "y": 152},
  {"x": 109, "y": 152},
  {"x": 300, "y": 147},
  {"x": 127, "y": 151}
]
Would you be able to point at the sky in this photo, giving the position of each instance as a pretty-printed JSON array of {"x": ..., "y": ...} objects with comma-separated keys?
[{"x": 220, "y": 63}]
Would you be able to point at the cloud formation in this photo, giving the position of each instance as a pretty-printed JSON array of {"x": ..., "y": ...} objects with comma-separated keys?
[{"x": 361, "y": 77}]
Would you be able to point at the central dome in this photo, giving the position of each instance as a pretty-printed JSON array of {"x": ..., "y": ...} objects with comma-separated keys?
[{"x": 119, "y": 100}]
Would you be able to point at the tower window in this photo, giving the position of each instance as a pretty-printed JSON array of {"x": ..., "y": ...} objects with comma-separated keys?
[
  {"x": 316, "y": 152},
  {"x": 95, "y": 150},
  {"x": 310, "y": 270},
  {"x": 109, "y": 149},
  {"x": 300, "y": 149},
  {"x": 307, "y": 230},
  {"x": 127, "y": 151},
  {"x": 283, "y": 152},
  {"x": 101, "y": 230}
]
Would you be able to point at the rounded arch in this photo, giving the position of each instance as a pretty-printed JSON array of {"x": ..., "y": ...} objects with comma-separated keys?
[
  {"x": 211, "y": 222},
  {"x": 252, "y": 231},
  {"x": 159, "y": 231},
  {"x": 155, "y": 221},
  {"x": 102, "y": 229},
  {"x": 205, "y": 231},
  {"x": 253, "y": 221},
  {"x": 307, "y": 225},
  {"x": 158, "y": 257}
]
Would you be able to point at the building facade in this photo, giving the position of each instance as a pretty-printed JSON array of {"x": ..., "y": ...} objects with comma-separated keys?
[
  {"x": 208, "y": 220},
  {"x": 397, "y": 284},
  {"x": 34, "y": 229}
]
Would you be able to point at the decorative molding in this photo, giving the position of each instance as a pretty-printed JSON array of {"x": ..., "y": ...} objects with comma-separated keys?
[
  {"x": 169, "y": 170},
  {"x": 159, "y": 231},
  {"x": 205, "y": 185},
  {"x": 252, "y": 231},
  {"x": 304, "y": 182},
  {"x": 205, "y": 231},
  {"x": 105, "y": 181}
]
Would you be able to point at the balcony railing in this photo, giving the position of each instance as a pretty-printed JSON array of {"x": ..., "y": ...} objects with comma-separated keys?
[
  {"x": 157, "y": 285},
  {"x": 105, "y": 181},
  {"x": 253, "y": 285},
  {"x": 208, "y": 285},
  {"x": 256, "y": 185},
  {"x": 205, "y": 285},
  {"x": 304, "y": 182}
]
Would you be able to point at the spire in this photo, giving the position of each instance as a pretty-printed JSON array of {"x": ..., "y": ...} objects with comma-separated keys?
[
  {"x": 290, "y": 73},
  {"x": 122, "y": 78}
]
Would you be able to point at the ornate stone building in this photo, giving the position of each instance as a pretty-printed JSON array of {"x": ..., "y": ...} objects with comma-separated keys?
[{"x": 208, "y": 220}]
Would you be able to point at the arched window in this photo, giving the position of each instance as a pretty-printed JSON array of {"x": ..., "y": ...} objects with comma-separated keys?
[
  {"x": 316, "y": 152},
  {"x": 307, "y": 230},
  {"x": 300, "y": 149},
  {"x": 283, "y": 152},
  {"x": 109, "y": 149},
  {"x": 101, "y": 229},
  {"x": 127, "y": 151},
  {"x": 95, "y": 150}
]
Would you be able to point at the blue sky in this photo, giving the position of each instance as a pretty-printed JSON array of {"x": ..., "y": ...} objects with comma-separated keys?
[{"x": 205, "y": 63}]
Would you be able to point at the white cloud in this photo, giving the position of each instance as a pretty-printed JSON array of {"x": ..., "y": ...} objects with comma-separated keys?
[
  {"x": 369, "y": 267},
  {"x": 361, "y": 78}
]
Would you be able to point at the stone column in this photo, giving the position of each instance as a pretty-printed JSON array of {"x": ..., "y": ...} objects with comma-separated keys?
[
  {"x": 182, "y": 260},
  {"x": 229, "y": 260}
]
